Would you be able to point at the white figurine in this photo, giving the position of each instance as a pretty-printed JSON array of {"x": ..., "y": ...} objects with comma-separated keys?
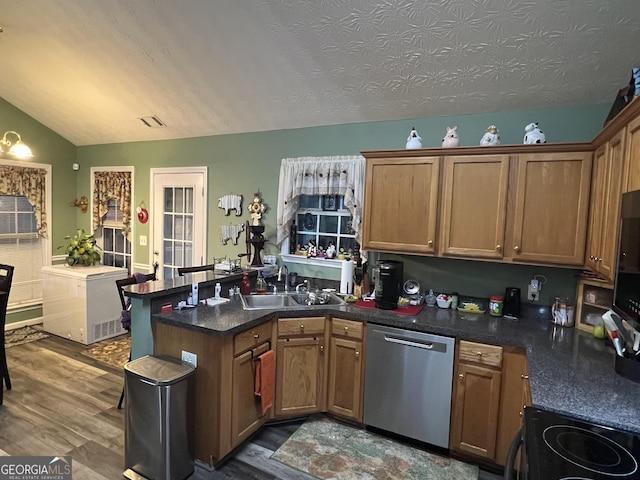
[
  {"x": 491, "y": 136},
  {"x": 414, "y": 140},
  {"x": 451, "y": 138},
  {"x": 533, "y": 134}
]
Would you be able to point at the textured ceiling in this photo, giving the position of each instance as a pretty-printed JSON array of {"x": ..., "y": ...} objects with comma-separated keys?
[{"x": 88, "y": 69}]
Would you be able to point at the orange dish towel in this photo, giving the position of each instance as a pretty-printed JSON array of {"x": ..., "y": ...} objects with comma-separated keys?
[{"x": 265, "y": 375}]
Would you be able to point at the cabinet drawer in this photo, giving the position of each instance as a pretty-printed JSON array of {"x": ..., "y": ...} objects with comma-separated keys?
[
  {"x": 347, "y": 328},
  {"x": 252, "y": 337},
  {"x": 480, "y": 353},
  {"x": 301, "y": 326}
]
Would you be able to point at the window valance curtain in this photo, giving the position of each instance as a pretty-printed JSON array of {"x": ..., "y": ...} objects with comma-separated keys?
[
  {"x": 31, "y": 183},
  {"x": 112, "y": 185},
  {"x": 336, "y": 175}
]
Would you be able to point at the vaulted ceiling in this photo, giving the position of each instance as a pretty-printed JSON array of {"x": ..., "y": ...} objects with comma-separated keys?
[{"x": 89, "y": 69}]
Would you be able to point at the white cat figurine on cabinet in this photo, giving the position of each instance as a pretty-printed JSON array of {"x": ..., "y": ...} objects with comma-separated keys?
[
  {"x": 491, "y": 136},
  {"x": 451, "y": 138},
  {"x": 533, "y": 134},
  {"x": 414, "y": 140}
]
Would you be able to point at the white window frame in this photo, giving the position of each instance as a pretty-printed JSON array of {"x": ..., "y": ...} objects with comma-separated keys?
[
  {"x": 133, "y": 214},
  {"x": 46, "y": 244}
]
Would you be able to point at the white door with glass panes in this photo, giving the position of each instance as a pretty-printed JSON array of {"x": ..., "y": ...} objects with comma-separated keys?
[
  {"x": 179, "y": 216},
  {"x": 325, "y": 220}
]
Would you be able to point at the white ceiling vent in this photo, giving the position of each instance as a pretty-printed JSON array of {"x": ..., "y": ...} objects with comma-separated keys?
[{"x": 152, "y": 122}]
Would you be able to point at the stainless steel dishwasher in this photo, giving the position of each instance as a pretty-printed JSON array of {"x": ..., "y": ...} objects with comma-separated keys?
[{"x": 408, "y": 379}]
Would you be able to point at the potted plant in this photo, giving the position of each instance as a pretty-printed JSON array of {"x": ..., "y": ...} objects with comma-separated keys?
[{"x": 82, "y": 249}]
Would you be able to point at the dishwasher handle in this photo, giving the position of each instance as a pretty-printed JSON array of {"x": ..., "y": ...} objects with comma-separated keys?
[{"x": 413, "y": 342}]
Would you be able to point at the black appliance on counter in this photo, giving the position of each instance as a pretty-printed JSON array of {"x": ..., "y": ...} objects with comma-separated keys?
[
  {"x": 511, "y": 305},
  {"x": 388, "y": 284},
  {"x": 626, "y": 296},
  {"x": 557, "y": 447}
]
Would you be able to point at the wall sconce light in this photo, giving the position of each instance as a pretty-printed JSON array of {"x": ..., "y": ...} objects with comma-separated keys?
[{"x": 16, "y": 149}]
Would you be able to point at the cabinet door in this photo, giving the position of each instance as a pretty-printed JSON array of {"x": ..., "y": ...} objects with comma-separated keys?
[
  {"x": 632, "y": 156},
  {"x": 401, "y": 200},
  {"x": 345, "y": 378},
  {"x": 514, "y": 397},
  {"x": 606, "y": 263},
  {"x": 474, "y": 202},
  {"x": 476, "y": 405},
  {"x": 596, "y": 211},
  {"x": 246, "y": 416},
  {"x": 551, "y": 207},
  {"x": 300, "y": 380}
]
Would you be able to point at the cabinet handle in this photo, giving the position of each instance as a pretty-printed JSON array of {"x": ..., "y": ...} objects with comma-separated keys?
[
  {"x": 592, "y": 257},
  {"x": 301, "y": 327},
  {"x": 430, "y": 242},
  {"x": 256, "y": 336},
  {"x": 479, "y": 354},
  {"x": 524, "y": 377},
  {"x": 517, "y": 248},
  {"x": 357, "y": 353},
  {"x": 322, "y": 348},
  {"x": 498, "y": 247},
  {"x": 521, "y": 413},
  {"x": 461, "y": 376},
  {"x": 346, "y": 329}
]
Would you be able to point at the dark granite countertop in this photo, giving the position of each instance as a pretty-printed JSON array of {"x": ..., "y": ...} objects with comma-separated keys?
[{"x": 570, "y": 371}]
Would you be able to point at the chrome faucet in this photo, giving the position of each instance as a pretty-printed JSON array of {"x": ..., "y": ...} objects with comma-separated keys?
[
  {"x": 284, "y": 270},
  {"x": 302, "y": 287},
  {"x": 274, "y": 287}
]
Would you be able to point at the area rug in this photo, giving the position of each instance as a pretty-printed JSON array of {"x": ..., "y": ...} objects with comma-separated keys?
[
  {"x": 327, "y": 449},
  {"x": 113, "y": 351},
  {"x": 20, "y": 336}
]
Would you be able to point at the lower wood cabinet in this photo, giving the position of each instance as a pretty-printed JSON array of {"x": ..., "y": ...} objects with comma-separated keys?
[
  {"x": 301, "y": 366},
  {"x": 346, "y": 369},
  {"x": 491, "y": 388},
  {"x": 246, "y": 408},
  {"x": 476, "y": 399},
  {"x": 514, "y": 396}
]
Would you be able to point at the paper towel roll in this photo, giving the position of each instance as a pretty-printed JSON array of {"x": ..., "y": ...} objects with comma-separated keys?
[{"x": 346, "y": 277}]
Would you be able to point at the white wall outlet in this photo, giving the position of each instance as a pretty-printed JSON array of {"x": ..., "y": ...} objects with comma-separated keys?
[
  {"x": 143, "y": 240},
  {"x": 189, "y": 357},
  {"x": 533, "y": 291}
]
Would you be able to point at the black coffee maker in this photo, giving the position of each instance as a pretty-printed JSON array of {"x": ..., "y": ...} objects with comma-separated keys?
[
  {"x": 388, "y": 284},
  {"x": 511, "y": 305}
]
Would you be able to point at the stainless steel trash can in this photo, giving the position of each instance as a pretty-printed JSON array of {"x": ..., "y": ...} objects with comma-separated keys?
[{"x": 158, "y": 432}]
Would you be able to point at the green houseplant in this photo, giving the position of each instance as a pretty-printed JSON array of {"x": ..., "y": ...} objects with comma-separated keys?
[{"x": 82, "y": 249}]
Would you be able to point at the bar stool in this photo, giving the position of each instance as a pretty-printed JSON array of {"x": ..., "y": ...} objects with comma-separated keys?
[{"x": 6, "y": 277}]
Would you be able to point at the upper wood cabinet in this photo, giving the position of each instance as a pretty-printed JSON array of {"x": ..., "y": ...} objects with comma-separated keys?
[
  {"x": 400, "y": 207},
  {"x": 632, "y": 156},
  {"x": 474, "y": 206},
  {"x": 551, "y": 201},
  {"x": 606, "y": 190}
]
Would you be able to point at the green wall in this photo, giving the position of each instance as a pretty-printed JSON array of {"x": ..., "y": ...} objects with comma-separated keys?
[
  {"x": 249, "y": 162},
  {"x": 48, "y": 148}
]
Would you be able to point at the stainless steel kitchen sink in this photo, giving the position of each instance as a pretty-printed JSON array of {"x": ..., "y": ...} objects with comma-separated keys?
[{"x": 280, "y": 301}]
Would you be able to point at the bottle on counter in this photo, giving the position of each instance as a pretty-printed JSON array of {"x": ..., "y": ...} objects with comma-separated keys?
[
  {"x": 245, "y": 284},
  {"x": 495, "y": 305},
  {"x": 261, "y": 285},
  {"x": 430, "y": 299},
  {"x": 218, "y": 289},
  {"x": 454, "y": 300}
]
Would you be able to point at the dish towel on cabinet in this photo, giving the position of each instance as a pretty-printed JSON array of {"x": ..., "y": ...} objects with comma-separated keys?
[{"x": 265, "y": 374}]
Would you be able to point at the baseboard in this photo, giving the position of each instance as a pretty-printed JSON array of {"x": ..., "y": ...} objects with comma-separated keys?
[{"x": 22, "y": 323}]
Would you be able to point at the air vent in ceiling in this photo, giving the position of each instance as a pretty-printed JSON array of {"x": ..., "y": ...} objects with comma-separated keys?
[{"x": 152, "y": 122}]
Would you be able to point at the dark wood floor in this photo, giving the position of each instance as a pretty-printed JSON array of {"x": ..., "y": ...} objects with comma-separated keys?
[{"x": 64, "y": 403}]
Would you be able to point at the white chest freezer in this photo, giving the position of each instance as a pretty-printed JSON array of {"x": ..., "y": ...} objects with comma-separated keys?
[{"x": 82, "y": 303}]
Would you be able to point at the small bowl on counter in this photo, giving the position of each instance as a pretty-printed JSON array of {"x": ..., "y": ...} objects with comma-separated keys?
[{"x": 443, "y": 300}]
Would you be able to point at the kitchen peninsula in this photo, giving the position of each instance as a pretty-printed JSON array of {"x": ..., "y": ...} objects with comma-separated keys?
[{"x": 570, "y": 371}]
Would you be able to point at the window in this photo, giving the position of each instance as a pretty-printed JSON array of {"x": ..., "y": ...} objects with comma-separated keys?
[
  {"x": 22, "y": 247},
  {"x": 325, "y": 220},
  {"x": 116, "y": 248}
]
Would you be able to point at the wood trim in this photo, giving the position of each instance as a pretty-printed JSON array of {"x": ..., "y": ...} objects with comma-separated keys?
[{"x": 631, "y": 111}]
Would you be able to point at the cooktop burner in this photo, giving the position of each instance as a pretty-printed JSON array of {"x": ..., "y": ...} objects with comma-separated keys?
[{"x": 562, "y": 448}]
